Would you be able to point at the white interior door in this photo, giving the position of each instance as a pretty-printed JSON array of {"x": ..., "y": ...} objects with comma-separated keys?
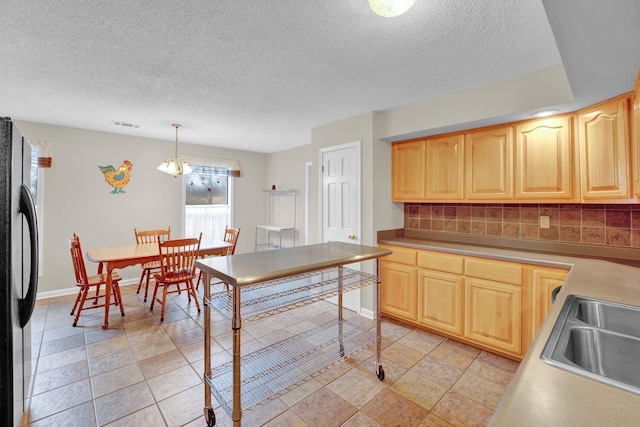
[{"x": 341, "y": 202}]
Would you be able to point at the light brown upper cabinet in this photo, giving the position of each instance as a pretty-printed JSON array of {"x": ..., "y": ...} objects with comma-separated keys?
[
  {"x": 603, "y": 137},
  {"x": 546, "y": 168},
  {"x": 489, "y": 158},
  {"x": 408, "y": 164},
  {"x": 445, "y": 167}
]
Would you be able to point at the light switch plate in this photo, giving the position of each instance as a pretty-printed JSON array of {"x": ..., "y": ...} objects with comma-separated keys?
[{"x": 544, "y": 221}]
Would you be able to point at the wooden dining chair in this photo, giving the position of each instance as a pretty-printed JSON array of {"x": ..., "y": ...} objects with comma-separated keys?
[
  {"x": 230, "y": 236},
  {"x": 150, "y": 237},
  {"x": 177, "y": 260},
  {"x": 85, "y": 283}
]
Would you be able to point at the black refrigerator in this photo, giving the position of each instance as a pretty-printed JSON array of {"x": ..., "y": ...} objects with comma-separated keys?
[{"x": 18, "y": 272}]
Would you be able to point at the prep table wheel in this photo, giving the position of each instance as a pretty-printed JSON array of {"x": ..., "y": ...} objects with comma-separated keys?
[
  {"x": 211, "y": 417},
  {"x": 341, "y": 350},
  {"x": 380, "y": 372}
]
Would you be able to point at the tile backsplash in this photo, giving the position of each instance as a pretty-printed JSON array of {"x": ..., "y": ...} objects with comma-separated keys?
[{"x": 612, "y": 225}]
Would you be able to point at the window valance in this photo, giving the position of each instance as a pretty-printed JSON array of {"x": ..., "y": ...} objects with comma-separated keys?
[
  {"x": 43, "y": 148},
  {"x": 223, "y": 167}
]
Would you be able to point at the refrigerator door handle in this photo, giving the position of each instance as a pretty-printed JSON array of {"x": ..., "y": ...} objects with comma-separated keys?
[{"x": 27, "y": 208}]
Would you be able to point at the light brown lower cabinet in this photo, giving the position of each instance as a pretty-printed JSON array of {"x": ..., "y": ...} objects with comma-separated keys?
[
  {"x": 494, "y": 314},
  {"x": 492, "y": 304},
  {"x": 400, "y": 298},
  {"x": 439, "y": 297}
]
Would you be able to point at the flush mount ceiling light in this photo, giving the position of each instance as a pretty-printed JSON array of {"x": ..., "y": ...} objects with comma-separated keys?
[
  {"x": 390, "y": 8},
  {"x": 545, "y": 113},
  {"x": 175, "y": 166}
]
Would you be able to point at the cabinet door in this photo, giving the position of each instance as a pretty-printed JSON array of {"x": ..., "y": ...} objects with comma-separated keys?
[
  {"x": 489, "y": 157},
  {"x": 445, "y": 168},
  {"x": 545, "y": 159},
  {"x": 408, "y": 171},
  {"x": 398, "y": 290},
  {"x": 440, "y": 303},
  {"x": 635, "y": 135},
  {"x": 603, "y": 135},
  {"x": 493, "y": 314}
]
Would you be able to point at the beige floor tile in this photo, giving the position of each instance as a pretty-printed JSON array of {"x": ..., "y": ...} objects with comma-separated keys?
[
  {"x": 116, "y": 379},
  {"x": 187, "y": 337},
  {"x": 262, "y": 328},
  {"x": 301, "y": 392},
  {"x": 360, "y": 420},
  {"x": 149, "y": 416},
  {"x": 156, "y": 344},
  {"x": 419, "y": 389},
  {"x": 60, "y": 399},
  {"x": 265, "y": 414},
  {"x": 438, "y": 370},
  {"x": 180, "y": 326},
  {"x": 99, "y": 334},
  {"x": 107, "y": 362},
  {"x": 402, "y": 355},
  {"x": 62, "y": 358},
  {"x": 59, "y": 377},
  {"x": 107, "y": 346},
  {"x": 332, "y": 373},
  {"x": 421, "y": 341},
  {"x": 460, "y": 410},
  {"x": 61, "y": 344},
  {"x": 81, "y": 415},
  {"x": 174, "y": 382},
  {"x": 324, "y": 409},
  {"x": 123, "y": 402},
  {"x": 433, "y": 420},
  {"x": 494, "y": 368},
  {"x": 391, "y": 409},
  {"x": 369, "y": 386},
  {"x": 287, "y": 419},
  {"x": 183, "y": 408},
  {"x": 394, "y": 330},
  {"x": 480, "y": 389},
  {"x": 193, "y": 352},
  {"x": 455, "y": 353},
  {"x": 162, "y": 363}
]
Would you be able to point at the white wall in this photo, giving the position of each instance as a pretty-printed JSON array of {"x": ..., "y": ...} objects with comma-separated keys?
[
  {"x": 287, "y": 170},
  {"x": 77, "y": 198}
]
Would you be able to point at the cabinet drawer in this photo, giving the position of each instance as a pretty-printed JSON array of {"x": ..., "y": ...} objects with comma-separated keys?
[
  {"x": 400, "y": 255},
  {"x": 441, "y": 262},
  {"x": 498, "y": 271}
]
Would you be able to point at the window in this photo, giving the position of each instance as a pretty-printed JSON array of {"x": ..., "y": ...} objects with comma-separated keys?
[
  {"x": 208, "y": 197},
  {"x": 37, "y": 185}
]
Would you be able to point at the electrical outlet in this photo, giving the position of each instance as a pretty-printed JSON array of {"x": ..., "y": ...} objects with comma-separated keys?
[{"x": 544, "y": 221}]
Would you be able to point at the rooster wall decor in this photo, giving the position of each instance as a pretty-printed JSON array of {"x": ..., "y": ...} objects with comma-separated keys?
[{"x": 117, "y": 178}]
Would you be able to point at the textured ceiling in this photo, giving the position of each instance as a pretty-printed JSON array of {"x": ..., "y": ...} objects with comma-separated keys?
[{"x": 258, "y": 76}]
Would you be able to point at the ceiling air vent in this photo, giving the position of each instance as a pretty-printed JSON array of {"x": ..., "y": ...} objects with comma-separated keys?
[{"x": 125, "y": 124}]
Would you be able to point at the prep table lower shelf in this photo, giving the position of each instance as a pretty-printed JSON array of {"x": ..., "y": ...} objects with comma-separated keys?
[{"x": 273, "y": 371}]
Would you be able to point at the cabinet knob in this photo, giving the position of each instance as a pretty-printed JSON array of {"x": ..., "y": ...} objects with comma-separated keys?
[{"x": 352, "y": 237}]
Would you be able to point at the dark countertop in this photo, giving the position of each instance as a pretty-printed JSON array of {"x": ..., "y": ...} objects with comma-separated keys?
[{"x": 539, "y": 394}]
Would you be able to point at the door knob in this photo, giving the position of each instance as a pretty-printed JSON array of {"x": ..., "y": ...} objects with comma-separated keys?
[{"x": 352, "y": 237}]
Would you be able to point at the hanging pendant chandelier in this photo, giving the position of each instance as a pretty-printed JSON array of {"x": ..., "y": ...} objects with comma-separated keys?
[
  {"x": 175, "y": 166},
  {"x": 390, "y": 8}
]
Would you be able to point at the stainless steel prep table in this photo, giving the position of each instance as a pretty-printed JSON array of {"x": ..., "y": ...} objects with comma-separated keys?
[{"x": 265, "y": 283}]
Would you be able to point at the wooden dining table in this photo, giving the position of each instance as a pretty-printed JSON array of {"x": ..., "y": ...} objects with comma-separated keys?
[{"x": 116, "y": 257}]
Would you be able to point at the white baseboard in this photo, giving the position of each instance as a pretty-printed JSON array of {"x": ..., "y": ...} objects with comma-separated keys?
[
  {"x": 369, "y": 314},
  {"x": 74, "y": 290}
]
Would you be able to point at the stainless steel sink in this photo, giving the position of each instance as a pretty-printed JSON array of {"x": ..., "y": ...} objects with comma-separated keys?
[{"x": 599, "y": 340}]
